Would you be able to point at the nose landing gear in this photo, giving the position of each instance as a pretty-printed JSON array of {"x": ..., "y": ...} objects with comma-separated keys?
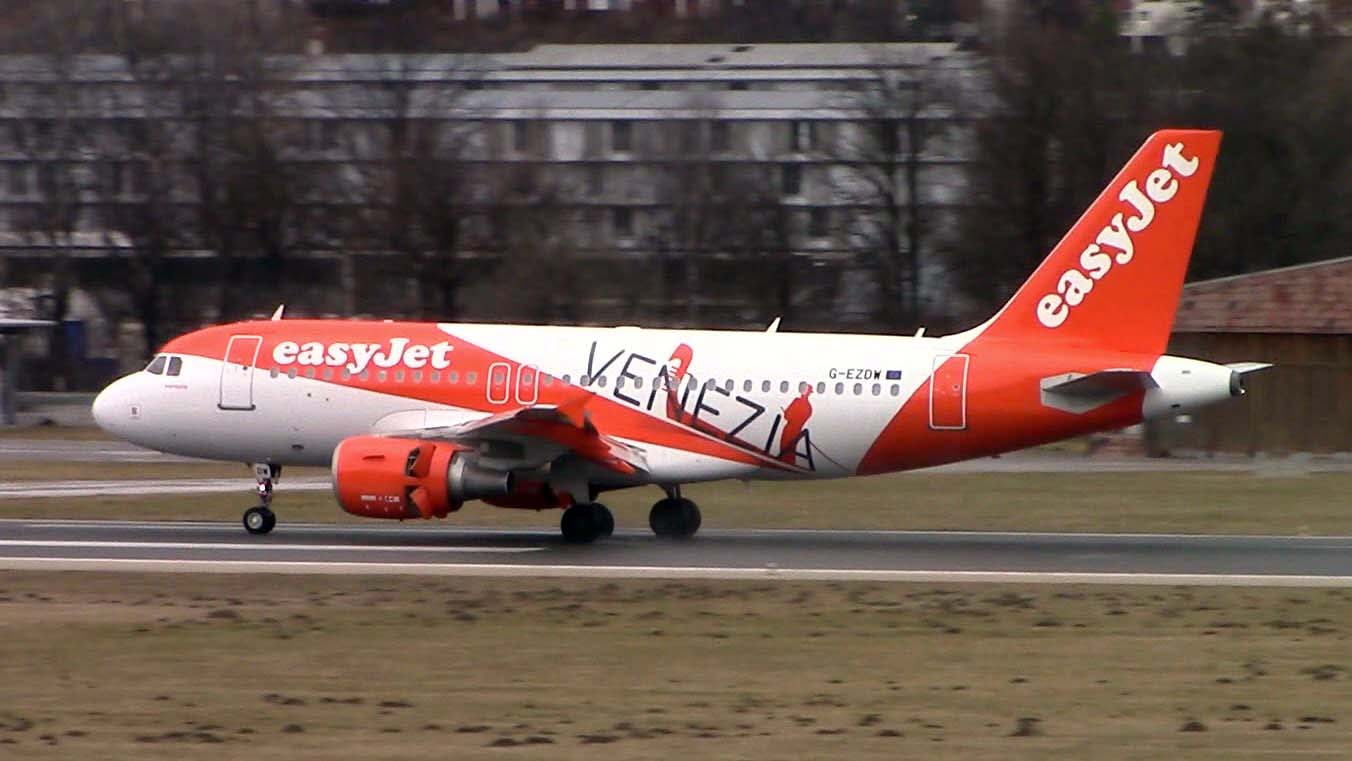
[{"x": 261, "y": 519}]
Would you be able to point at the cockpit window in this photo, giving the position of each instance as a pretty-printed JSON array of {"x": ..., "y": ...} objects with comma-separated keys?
[
  {"x": 156, "y": 365},
  {"x": 175, "y": 366}
]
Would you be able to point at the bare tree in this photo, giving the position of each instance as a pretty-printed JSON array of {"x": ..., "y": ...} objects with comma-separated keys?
[
  {"x": 903, "y": 108},
  {"x": 418, "y": 180}
]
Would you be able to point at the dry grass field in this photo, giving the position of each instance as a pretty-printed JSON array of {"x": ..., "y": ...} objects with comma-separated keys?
[{"x": 259, "y": 667}]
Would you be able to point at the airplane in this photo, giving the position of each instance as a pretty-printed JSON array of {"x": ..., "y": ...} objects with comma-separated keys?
[{"x": 416, "y": 419}]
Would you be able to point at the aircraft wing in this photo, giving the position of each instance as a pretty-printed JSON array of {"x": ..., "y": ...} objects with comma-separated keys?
[{"x": 527, "y": 436}]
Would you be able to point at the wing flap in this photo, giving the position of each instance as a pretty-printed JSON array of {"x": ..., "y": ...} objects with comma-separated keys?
[{"x": 565, "y": 426}]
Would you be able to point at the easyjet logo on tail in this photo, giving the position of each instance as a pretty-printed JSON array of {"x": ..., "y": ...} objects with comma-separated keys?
[{"x": 1114, "y": 244}]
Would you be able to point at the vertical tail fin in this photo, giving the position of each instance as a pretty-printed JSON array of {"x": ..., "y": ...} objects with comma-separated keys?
[{"x": 1114, "y": 280}]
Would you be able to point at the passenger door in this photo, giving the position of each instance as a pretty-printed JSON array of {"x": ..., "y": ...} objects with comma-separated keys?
[{"x": 237, "y": 372}]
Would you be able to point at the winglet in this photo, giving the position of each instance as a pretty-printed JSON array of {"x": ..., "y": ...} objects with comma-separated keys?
[{"x": 573, "y": 409}]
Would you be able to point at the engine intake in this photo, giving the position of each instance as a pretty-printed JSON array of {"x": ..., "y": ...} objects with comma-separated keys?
[{"x": 378, "y": 477}]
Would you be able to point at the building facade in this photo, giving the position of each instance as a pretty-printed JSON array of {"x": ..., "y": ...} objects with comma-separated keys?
[{"x": 711, "y": 185}]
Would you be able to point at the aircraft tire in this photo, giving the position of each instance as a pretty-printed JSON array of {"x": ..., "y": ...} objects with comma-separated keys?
[
  {"x": 605, "y": 519},
  {"x": 678, "y": 518},
  {"x": 259, "y": 520},
  {"x": 582, "y": 524}
]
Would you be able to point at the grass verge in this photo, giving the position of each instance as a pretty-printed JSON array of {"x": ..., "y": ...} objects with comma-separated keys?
[{"x": 159, "y": 666}]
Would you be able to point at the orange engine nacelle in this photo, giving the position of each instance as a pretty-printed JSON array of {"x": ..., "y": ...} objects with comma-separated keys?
[{"x": 409, "y": 478}]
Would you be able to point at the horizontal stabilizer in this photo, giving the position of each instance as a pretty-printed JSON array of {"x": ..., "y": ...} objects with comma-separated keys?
[{"x": 1078, "y": 393}]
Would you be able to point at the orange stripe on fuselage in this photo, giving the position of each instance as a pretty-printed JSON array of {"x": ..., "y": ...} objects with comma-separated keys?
[{"x": 609, "y": 416}]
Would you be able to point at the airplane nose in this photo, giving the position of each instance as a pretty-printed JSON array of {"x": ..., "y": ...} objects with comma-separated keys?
[{"x": 109, "y": 405}]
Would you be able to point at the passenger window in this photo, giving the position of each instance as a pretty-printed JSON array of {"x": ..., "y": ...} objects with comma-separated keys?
[
  {"x": 619, "y": 382},
  {"x": 398, "y": 376},
  {"x": 567, "y": 378},
  {"x": 156, "y": 365},
  {"x": 765, "y": 387},
  {"x": 783, "y": 387},
  {"x": 858, "y": 389},
  {"x": 638, "y": 383},
  {"x": 584, "y": 380},
  {"x": 365, "y": 375},
  {"x": 727, "y": 386},
  {"x": 840, "y": 389},
  {"x": 291, "y": 372},
  {"x": 877, "y": 389},
  {"x": 803, "y": 386},
  {"x": 309, "y": 372},
  {"x": 821, "y": 387},
  {"x": 547, "y": 379},
  {"x": 347, "y": 374},
  {"x": 328, "y": 373},
  {"x": 452, "y": 377},
  {"x": 601, "y": 381},
  {"x": 896, "y": 390},
  {"x": 274, "y": 372},
  {"x": 435, "y": 377},
  {"x": 175, "y": 366},
  {"x": 417, "y": 376},
  {"x": 471, "y": 378}
]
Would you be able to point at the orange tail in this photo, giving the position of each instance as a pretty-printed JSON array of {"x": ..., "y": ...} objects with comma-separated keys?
[{"x": 1114, "y": 280}]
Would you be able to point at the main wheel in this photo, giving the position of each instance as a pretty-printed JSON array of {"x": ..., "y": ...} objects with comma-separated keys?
[
  {"x": 677, "y": 517},
  {"x": 259, "y": 520},
  {"x": 584, "y": 523}
]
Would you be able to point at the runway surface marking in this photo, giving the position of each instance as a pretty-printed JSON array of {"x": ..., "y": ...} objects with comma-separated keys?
[
  {"x": 201, "y": 525},
  {"x": 916, "y": 556},
  {"x": 667, "y": 572},
  {"x": 22, "y": 489},
  {"x": 257, "y": 546}
]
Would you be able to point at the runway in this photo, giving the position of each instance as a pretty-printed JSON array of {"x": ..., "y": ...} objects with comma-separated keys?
[{"x": 735, "y": 554}]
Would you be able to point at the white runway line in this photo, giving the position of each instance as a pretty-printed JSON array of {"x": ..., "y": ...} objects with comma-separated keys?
[
  {"x": 257, "y": 546},
  {"x": 667, "y": 572},
  {"x": 20, "y": 489}
]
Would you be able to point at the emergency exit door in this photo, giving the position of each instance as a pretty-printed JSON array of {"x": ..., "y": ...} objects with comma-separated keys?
[
  {"x": 237, "y": 372},
  {"x": 948, "y": 393}
]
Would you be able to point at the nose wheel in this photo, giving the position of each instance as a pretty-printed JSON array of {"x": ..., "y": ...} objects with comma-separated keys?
[{"x": 259, "y": 520}]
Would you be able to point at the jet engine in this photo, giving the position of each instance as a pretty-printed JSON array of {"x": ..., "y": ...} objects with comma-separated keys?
[{"x": 378, "y": 477}]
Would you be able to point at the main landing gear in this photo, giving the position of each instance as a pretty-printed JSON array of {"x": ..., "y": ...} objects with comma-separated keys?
[
  {"x": 586, "y": 522},
  {"x": 674, "y": 516},
  {"x": 261, "y": 519}
]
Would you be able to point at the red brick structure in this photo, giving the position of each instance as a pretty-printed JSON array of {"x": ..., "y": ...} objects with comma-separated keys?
[{"x": 1300, "y": 319}]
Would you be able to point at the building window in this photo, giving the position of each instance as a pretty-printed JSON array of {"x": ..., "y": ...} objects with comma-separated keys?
[
  {"x": 520, "y": 135},
  {"x": 623, "y": 221},
  {"x": 720, "y": 136},
  {"x": 596, "y": 180},
  {"x": 621, "y": 136},
  {"x": 792, "y": 179},
  {"x": 819, "y": 223},
  {"x": 16, "y": 180},
  {"x": 802, "y": 137}
]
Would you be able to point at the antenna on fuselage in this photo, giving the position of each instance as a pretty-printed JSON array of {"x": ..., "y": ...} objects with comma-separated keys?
[
  {"x": 277, "y": 315},
  {"x": 774, "y": 326}
]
